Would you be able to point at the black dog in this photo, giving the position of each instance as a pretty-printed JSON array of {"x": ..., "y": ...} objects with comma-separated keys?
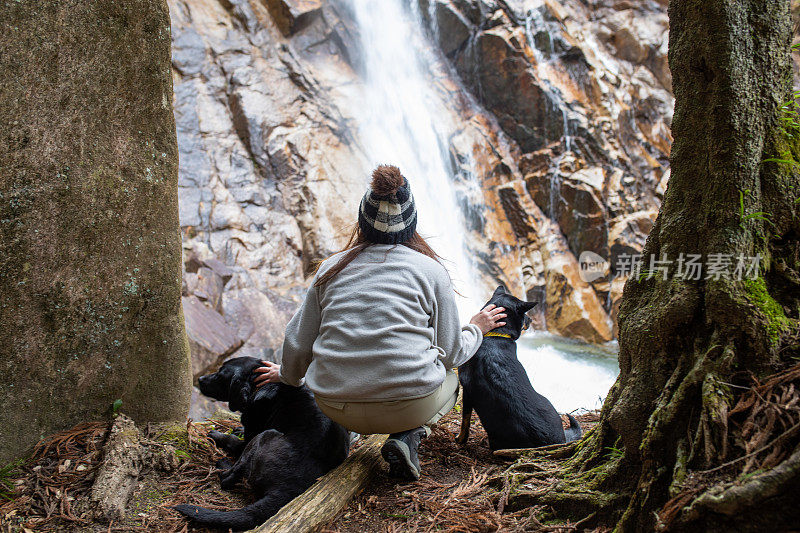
[
  {"x": 497, "y": 387},
  {"x": 288, "y": 443}
]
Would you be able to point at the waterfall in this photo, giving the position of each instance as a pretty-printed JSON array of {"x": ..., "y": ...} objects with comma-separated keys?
[
  {"x": 536, "y": 25},
  {"x": 403, "y": 120}
]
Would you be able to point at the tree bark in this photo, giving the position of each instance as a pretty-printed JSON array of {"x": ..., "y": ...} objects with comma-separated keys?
[
  {"x": 89, "y": 236},
  {"x": 684, "y": 341}
]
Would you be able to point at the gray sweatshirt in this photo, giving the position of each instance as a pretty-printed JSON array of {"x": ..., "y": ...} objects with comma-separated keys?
[{"x": 384, "y": 328}]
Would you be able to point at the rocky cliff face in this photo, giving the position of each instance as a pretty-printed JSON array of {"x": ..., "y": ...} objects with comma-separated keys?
[{"x": 559, "y": 145}]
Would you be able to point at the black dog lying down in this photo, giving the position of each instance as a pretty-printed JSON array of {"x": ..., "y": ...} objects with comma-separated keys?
[
  {"x": 497, "y": 387},
  {"x": 288, "y": 443}
]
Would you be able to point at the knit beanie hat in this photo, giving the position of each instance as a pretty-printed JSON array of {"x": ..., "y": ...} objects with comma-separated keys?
[{"x": 387, "y": 214}]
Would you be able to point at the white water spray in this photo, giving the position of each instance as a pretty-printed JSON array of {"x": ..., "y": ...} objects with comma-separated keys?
[{"x": 403, "y": 121}]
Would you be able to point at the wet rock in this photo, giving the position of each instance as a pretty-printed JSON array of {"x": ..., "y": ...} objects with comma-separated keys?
[
  {"x": 498, "y": 72},
  {"x": 628, "y": 235},
  {"x": 572, "y": 307},
  {"x": 581, "y": 213},
  {"x": 292, "y": 15},
  {"x": 452, "y": 28},
  {"x": 517, "y": 214},
  {"x": 211, "y": 338},
  {"x": 628, "y": 46}
]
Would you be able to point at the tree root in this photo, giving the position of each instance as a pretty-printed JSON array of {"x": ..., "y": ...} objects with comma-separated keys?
[{"x": 733, "y": 499}]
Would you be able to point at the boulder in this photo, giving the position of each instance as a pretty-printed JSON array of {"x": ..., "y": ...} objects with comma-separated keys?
[
  {"x": 219, "y": 268},
  {"x": 208, "y": 287},
  {"x": 211, "y": 339},
  {"x": 260, "y": 318}
]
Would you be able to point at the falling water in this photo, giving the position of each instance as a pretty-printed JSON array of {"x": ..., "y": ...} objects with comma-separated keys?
[
  {"x": 402, "y": 120},
  {"x": 535, "y": 22}
]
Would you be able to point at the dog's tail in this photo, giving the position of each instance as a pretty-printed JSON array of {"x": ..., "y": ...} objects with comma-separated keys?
[
  {"x": 243, "y": 519},
  {"x": 574, "y": 431}
]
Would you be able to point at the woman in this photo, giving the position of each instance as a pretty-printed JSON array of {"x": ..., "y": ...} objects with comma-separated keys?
[{"x": 377, "y": 337}]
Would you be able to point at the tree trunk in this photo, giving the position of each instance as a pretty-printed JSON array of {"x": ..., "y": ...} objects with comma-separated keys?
[
  {"x": 684, "y": 341},
  {"x": 89, "y": 236}
]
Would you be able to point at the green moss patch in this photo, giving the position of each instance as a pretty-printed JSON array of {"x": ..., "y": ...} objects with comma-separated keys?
[{"x": 777, "y": 321}]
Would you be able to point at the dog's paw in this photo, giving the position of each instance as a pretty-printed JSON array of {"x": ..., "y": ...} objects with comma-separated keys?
[
  {"x": 216, "y": 435},
  {"x": 227, "y": 482},
  {"x": 462, "y": 438}
]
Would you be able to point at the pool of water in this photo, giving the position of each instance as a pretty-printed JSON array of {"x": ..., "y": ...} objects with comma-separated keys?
[{"x": 571, "y": 374}]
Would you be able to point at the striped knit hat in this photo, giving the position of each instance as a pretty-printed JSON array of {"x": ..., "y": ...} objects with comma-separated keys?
[{"x": 387, "y": 214}]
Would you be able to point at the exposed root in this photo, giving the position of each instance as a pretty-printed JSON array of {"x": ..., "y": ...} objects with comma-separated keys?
[
  {"x": 763, "y": 431},
  {"x": 733, "y": 499}
]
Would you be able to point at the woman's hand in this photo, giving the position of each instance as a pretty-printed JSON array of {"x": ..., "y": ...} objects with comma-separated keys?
[
  {"x": 269, "y": 373},
  {"x": 489, "y": 318}
]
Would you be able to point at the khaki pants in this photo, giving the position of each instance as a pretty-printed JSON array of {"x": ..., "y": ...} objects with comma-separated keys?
[{"x": 394, "y": 416}]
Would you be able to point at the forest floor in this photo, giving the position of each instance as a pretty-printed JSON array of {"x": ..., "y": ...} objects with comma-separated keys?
[{"x": 461, "y": 488}]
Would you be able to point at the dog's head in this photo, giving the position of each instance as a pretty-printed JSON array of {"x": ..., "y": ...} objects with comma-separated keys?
[
  {"x": 516, "y": 311},
  {"x": 233, "y": 383}
]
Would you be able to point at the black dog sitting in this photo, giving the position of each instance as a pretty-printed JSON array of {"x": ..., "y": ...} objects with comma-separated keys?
[
  {"x": 497, "y": 387},
  {"x": 288, "y": 443}
]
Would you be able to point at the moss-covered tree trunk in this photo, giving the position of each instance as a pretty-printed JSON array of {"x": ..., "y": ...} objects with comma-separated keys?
[
  {"x": 89, "y": 236},
  {"x": 686, "y": 343}
]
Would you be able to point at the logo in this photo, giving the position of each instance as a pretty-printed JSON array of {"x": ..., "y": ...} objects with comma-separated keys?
[{"x": 592, "y": 266}]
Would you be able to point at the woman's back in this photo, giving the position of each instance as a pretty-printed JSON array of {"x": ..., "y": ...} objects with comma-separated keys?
[{"x": 377, "y": 338}]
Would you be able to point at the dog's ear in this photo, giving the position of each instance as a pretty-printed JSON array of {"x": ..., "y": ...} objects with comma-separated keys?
[
  {"x": 524, "y": 307},
  {"x": 240, "y": 392},
  {"x": 501, "y": 289}
]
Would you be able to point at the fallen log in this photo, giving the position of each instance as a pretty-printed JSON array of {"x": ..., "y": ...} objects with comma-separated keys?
[{"x": 321, "y": 503}]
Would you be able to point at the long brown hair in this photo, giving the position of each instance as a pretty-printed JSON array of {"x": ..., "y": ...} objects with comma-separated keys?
[{"x": 358, "y": 243}]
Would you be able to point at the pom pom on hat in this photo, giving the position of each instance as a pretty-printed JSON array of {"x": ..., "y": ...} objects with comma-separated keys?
[{"x": 387, "y": 214}]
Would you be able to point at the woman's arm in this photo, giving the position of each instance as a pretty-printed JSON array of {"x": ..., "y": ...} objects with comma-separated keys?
[
  {"x": 460, "y": 343},
  {"x": 301, "y": 332}
]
